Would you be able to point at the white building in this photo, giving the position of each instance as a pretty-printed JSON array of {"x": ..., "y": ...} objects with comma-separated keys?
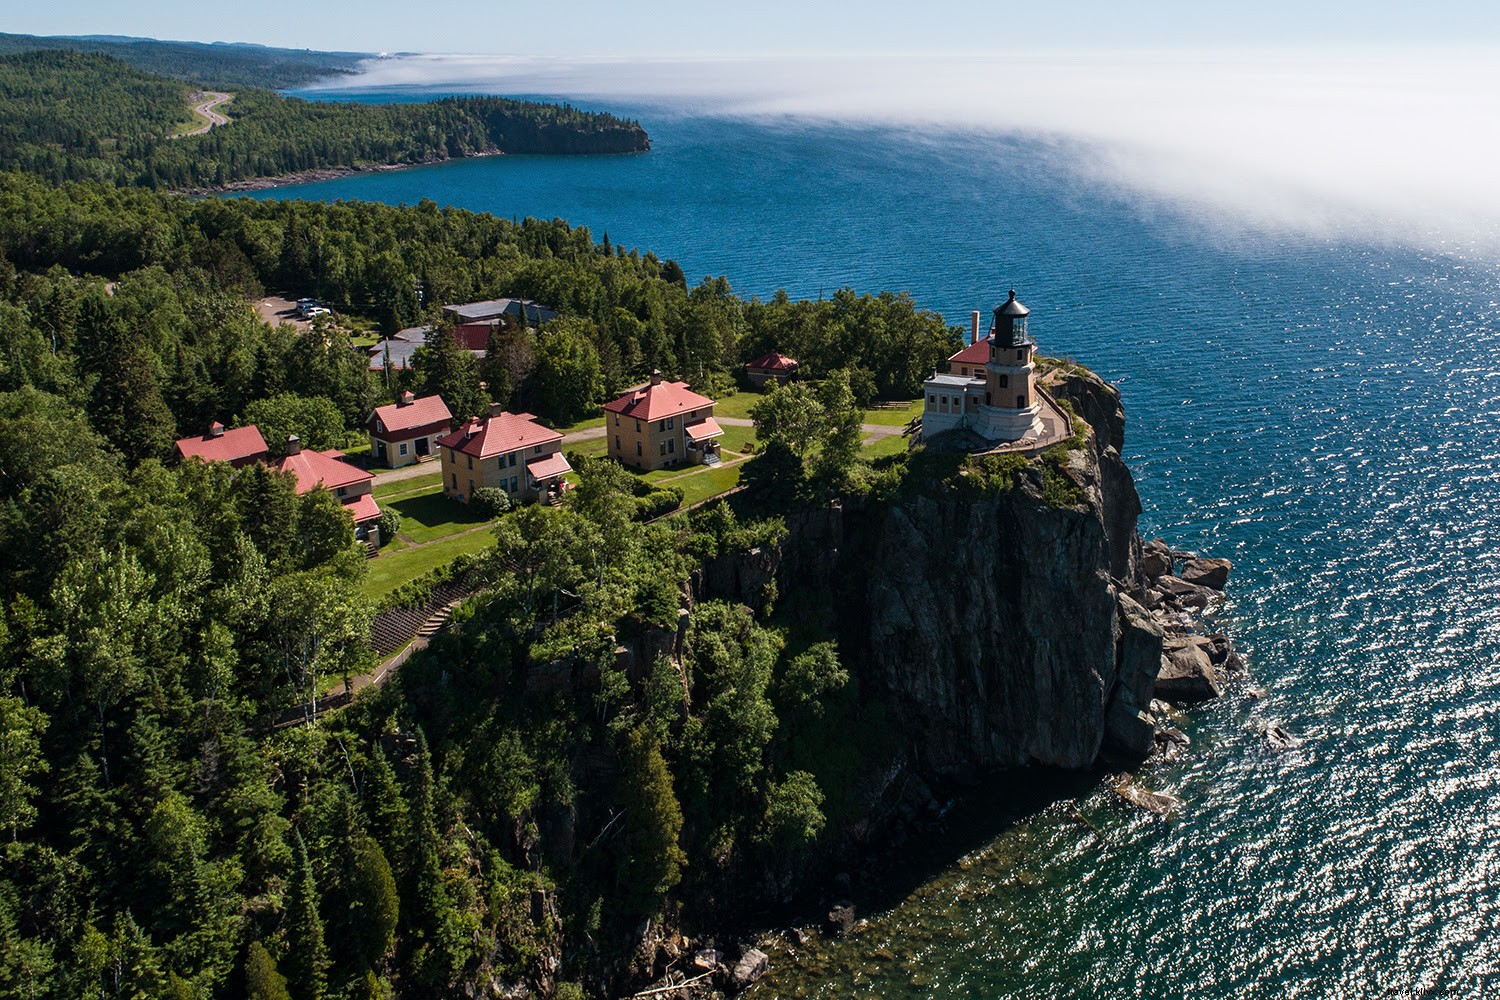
[{"x": 998, "y": 402}]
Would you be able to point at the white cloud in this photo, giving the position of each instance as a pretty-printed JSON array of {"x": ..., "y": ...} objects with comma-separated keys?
[{"x": 1400, "y": 144}]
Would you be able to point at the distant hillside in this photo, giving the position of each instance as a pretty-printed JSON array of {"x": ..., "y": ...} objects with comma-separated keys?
[
  {"x": 76, "y": 116},
  {"x": 220, "y": 65}
]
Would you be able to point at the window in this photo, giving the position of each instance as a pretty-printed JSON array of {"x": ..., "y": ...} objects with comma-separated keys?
[
  {"x": 986, "y": 399},
  {"x": 672, "y": 447},
  {"x": 514, "y": 483},
  {"x": 342, "y": 491},
  {"x": 664, "y": 447},
  {"x": 964, "y": 370},
  {"x": 471, "y": 487},
  {"x": 638, "y": 449},
  {"x": 379, "y": 427},
  {"x": 537, "y": 450},
  {"x": 471, "y": 461},
  {"x": 455, "y": 481},
  {"x": 402, "y": 449},
  {"x": 637, "y": 426},
  {"x": 512, "y": 462},
  {"x": 617, "y": 442},
  {"x": 932, "y": 401},
  {"x": 1020, "y": 402},
  {"x": 1004, "y": 381},
  {"x": 617, "y": 420},
  {"x": 670, "y": 423},
  {"x": 1021, "y": 355}
]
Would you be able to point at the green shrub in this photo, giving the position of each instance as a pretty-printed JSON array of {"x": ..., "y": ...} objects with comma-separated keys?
[
  {"x": 658, "y": 503},
  {"x": 390, "y": 523},
  {"x": 490, "y": 501}
]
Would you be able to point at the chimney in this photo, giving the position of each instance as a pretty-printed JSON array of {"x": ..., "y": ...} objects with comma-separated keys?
[
  {"x": 656, "y": 377},
  {"x": 974, "y": 327},
  {"x": 215, "y": 429},
  {"x": 293, "y": 444},
  {"x": 407, "y": 397},
  {"x": 496, "y": 409}
]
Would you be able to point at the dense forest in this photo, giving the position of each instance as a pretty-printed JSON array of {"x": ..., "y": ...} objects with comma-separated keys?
[
  {"x": 72, "y": 116},
  {"x": 520, "y": 803},
  {"x": 216, "y": 65}
]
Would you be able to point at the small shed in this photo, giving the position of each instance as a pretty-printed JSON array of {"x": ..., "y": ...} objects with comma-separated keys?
[{"x": 774, "y": 365}]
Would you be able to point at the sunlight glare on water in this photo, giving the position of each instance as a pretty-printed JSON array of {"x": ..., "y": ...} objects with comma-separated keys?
[{"x": 1325, "y": 413}]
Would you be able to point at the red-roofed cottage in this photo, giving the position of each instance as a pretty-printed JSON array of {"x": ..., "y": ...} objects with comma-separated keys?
[
  {"x": 238, "y": 447},
  {"x": 771, "y": 366},
  {"x": 404, "y": 431},
  {"x": 662, "y": 424},
  {"x": 508, "y": 451},
  {"x": 351, "y": 484}
]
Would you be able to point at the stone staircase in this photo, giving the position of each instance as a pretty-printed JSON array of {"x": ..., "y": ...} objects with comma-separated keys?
[{"x": 395, "y": 627}]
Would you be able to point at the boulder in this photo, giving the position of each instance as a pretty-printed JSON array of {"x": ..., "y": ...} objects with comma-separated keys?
[
  {"x": 841, "y": 919},
  {"x": 707, "y": 959},
  {"x": 751, "y": 966},
  {"x": 1156, "y": 559},
  {"x": 1187, "y": 674},
  {"x": 1129, "y": 730},
  {"x": 1183, "y": 594},
  {"x": 1206, "y": 572}
]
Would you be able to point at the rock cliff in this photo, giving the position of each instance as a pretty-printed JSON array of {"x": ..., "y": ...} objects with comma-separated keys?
[{"x": 1000, "y": 619}]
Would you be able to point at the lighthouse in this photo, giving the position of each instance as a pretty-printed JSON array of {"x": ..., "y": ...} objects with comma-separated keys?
[{"x": 998, "y": 402}]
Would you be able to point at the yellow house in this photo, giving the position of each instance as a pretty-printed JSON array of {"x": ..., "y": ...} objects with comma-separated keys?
[
  {"x": 661, "y": 425},
  {"x": 508, "y": 451}
]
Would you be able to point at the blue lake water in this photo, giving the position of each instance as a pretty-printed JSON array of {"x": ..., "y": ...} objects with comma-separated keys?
[{"x": 1324, "y": 412}]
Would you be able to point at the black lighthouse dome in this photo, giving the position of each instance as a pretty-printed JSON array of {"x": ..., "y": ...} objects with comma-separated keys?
[{"x": 1010, "y": 324}]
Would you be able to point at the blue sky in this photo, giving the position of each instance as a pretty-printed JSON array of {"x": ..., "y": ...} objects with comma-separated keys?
[{"x": 693, "y": 27}]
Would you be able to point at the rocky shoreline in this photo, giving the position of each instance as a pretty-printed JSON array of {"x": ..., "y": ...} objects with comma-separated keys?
[{"x": 321, "y": 174}]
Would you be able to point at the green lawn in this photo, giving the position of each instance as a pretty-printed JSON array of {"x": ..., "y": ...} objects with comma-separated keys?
[
  {"x": 737, "y": 405},
  {"x": 430, "y": 515},
  {"x": 710, "y": 482},
  {"x": 391, "y": 487},
  {"x": 595, "y": 447},
  {"x": 895, "y": 444},
  {"x": 582, "y": 425},
  {"x": 736, "y": 438},
  {"x": 896, "y": 416},
  {"x": 390, "y": 570}
]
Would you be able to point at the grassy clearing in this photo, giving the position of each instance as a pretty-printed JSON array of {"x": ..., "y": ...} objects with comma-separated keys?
[
  {"x": 390, "y": 569},
  {"x": 431, "y": 515},
  {"x": 894, "y": 416},
  {"x": 593, "y": 447},
  {"x": 391, "y": 487}
]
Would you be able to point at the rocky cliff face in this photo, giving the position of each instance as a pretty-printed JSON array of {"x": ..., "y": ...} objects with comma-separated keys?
[{"x": 998, "y": 623}]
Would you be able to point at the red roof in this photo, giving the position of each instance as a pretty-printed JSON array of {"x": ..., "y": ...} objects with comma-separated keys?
[
  {"x": 473, "y": 336},
  {"x": 548, "y": 466},
  {"x": 315, "y": 468},
  {"x": 774, "y": 362},
  {"x": 363, "y": 507},
  {"x": 418, "y": 413},
  {"x": 484, "y": 437},
  {"x": 240, "y": 444},
  {"x": 657, "y": 402},
  {"x": 704, "y": 429},
  {"x": 976, "y": 353}
]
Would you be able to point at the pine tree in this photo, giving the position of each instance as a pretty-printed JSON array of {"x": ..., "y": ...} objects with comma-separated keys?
[
  {"x": 262, "y": 981},
  {"x": 307, "y": 955}
]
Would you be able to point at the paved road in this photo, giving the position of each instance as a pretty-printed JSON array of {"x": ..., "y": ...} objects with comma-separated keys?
[{"x": 205, "y": 109}]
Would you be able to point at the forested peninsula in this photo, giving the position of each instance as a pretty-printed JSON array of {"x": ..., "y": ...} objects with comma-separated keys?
[
  {"x": 69, "y": 116},
  {"x": 640, "y": 738}
]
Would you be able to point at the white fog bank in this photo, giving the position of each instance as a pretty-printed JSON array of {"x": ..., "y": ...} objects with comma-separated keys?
[{"x": 1398, "y": 145}]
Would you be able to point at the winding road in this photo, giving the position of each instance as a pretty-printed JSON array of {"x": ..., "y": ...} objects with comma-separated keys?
[{"x": 208, "y": 100}]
